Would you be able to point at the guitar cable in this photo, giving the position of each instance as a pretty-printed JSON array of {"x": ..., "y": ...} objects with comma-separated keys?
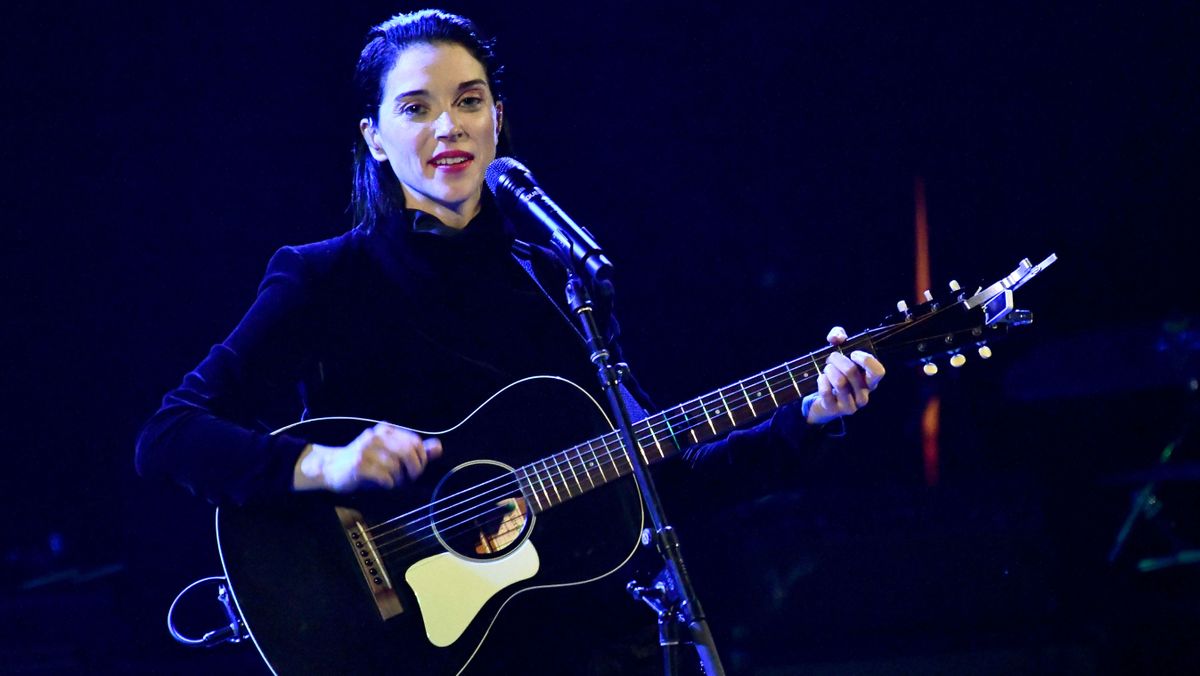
[{"x": 234, "y": 632}]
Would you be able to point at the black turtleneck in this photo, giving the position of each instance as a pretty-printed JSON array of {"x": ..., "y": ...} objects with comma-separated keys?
[{"x": 412, "y": 322}]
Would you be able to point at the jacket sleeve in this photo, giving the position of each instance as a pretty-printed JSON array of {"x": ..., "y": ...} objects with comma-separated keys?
[{"x": 207, "y": 435}]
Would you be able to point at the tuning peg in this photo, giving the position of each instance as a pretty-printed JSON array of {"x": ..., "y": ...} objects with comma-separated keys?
[
  {"x": 954, "y": 286},
  {"x": 930, "y": 368},
  {"x": 902, "y": 307},
  {"x": 958, "y": 360},
  {"x": 985, "y": 352},
  {"x": 928, "y": 296}
]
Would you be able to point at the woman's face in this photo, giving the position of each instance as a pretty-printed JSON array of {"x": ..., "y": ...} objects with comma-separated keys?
[{"x": 438, "y": 127}]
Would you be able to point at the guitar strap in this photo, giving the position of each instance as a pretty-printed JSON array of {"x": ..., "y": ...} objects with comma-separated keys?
[{"x": 523, "y": 253}]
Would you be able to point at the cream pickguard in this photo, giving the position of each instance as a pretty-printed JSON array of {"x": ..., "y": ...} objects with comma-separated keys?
[{"x": 451, "y": 590}]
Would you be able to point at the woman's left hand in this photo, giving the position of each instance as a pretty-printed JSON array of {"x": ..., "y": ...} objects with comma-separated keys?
[{"x": 845, "y": 384}]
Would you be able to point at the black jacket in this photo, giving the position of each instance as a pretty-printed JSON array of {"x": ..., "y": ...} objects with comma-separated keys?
[{"x": 412, "y": 323}]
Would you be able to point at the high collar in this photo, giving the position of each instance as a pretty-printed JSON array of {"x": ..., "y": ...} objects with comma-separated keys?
[{"x": 486, "y": 229}]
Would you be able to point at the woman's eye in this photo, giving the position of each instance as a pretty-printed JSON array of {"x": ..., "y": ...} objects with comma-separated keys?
[
  {"x": 412, "y": 109},
  {"x": 471, "y": 101}
]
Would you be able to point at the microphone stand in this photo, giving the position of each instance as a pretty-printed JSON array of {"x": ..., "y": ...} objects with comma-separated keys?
[{"x": 671, "y": 595}]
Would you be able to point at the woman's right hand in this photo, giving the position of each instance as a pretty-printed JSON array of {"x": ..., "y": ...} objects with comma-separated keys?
[{"x": 383, "y": 455}]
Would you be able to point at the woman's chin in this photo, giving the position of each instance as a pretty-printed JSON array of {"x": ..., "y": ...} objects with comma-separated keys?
[{"x": 454, "y": 199}]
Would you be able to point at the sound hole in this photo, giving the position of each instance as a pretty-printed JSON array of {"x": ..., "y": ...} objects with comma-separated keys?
[{"x": 478, "y": 511}]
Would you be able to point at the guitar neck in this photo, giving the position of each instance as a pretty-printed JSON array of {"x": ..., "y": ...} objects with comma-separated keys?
[{"x": 577, "y": 470}]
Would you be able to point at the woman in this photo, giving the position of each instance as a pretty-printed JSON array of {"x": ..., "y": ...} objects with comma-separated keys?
[{"x": 418, "y": 314}]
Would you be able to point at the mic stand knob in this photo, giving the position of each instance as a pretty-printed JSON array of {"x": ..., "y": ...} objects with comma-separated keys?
[{"x": 662, "y": 599}]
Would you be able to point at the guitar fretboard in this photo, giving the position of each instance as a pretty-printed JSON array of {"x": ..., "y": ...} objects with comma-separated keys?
[{"x": 579, "y": 469}]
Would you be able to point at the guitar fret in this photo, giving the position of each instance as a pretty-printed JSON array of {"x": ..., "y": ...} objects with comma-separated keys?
[
  {"x": 519, "y": 473},
  {"x": 586, "y": 471},
  {"x": 532, "y": 491},
  {"x": 704, "y": 409},
  {"x": 816, "y": 366},
  {"x": 547, "y": 481},
  {"x": 537, "y": 473},
  {"x": 550, "y": 481},
  {"x": 564, "y": 476},
  {"x": 869, "y": 344},
  {"x": 553, "y": 479},
  {"x": 728, "y": 410},
  {"x": 553, "y": 484},
  {"x": 749, "y": 403},
  {"x": 558, "y": 466},
  {"x": 671, "y": 431},
  {"x": 574, "y": 476},
  {"x": 654, "y": 437},
  {"x": 541, "y": 482},
  {"x": 690, "y": 428},
  {"x": 596, "y": 459},
  {"x": 614, "y": 456},
  {"x": 770, "y": 389},
  {"x": 601, "y": 459},
  {"x": 787, "y": 367},
  {"x": 620, "y": 444},
  {"x": 621, "y": 452}
]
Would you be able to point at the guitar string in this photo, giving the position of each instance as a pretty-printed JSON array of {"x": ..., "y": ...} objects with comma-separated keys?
[
  {"x": 577, "y": 451},
  {"x": 445, "y": 526},
  {"x": 558, "y": 477},
  {"x": 484, "y": 502},
  {"x": 665, "y": 422},
  {"x": 647, "y": 425},
  {"x": 613, "y": 454},
  {"x": 865, "y": 338}
]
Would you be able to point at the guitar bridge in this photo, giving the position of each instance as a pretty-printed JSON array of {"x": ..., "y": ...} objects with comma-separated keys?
[{"x": 370, "y": 564}]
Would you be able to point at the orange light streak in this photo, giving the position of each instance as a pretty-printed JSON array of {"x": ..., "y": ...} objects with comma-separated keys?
[
  {"x": 930, "y": 426},
  {"x": 930, "y": 418}
]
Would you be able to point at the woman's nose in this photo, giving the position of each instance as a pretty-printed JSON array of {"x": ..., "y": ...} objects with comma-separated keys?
[{"x": 446, "y": 126}]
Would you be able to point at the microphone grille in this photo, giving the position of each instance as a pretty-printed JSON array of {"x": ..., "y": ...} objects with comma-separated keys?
[{"x": 499, "y": 167}]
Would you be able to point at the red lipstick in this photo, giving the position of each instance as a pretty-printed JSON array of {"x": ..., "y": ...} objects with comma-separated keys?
[{"x": 452, "y": 161}]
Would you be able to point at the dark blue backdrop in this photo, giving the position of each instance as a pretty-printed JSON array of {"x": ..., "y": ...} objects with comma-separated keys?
[{"x": 750, "y": 169}]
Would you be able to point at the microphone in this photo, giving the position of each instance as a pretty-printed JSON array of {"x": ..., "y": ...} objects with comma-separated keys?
[{"x": 520, "y": 197}]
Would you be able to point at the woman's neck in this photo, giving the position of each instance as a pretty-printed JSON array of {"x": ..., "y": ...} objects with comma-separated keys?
[{"x": 453, "y": 215}]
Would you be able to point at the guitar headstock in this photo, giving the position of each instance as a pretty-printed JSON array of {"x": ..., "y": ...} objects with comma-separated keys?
[{"x": 956, "y": 322}]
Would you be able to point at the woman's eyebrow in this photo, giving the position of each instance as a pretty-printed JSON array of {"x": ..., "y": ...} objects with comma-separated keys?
[{"x": 469, "y": 84}]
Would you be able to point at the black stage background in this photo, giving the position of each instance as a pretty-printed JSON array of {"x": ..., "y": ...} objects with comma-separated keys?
[{"x": 750, "y": 168}]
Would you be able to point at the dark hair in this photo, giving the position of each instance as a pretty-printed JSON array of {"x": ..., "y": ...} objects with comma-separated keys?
[{"x": 376, "y": 190}]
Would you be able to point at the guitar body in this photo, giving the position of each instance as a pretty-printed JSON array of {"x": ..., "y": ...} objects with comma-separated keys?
[{"x": 426, "y": 590}]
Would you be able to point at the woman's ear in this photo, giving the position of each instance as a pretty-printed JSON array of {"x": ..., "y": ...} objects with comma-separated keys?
[
  {"x": 499, "y": 119},
  {"x": 371, "y": 135}
]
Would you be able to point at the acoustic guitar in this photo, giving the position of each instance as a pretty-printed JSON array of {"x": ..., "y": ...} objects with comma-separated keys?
[{"x": 414, "y": 580}]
